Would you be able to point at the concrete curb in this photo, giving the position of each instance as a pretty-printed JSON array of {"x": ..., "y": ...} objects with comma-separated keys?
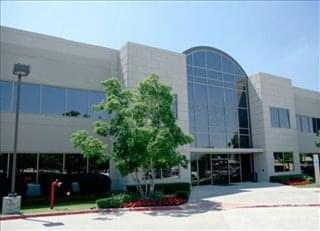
[{"x": 63, "y": 213}]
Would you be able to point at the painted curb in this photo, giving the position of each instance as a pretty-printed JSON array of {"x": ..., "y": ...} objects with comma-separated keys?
[{"x": 50, "y": 214}]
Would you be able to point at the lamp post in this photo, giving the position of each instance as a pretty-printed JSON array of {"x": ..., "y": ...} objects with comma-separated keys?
[
  {"x": 11, "y": 204},
  {"x": 21, "y": 70}
]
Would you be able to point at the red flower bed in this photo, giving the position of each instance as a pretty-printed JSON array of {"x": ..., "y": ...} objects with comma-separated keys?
[
  {"x": 167, "y": 201},
  {"x": 296, "y": 182}
]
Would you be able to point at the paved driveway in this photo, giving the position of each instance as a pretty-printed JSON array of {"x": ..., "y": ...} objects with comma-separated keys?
[{"x": 247, "y": 206}]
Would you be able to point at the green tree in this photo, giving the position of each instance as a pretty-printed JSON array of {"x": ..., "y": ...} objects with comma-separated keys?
[{"x": 142, "y": 129}]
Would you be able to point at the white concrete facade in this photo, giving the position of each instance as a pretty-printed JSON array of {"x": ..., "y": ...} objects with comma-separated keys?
[
  {"x": 63, "y": 63},
  {"x": 272, "y": 91}
]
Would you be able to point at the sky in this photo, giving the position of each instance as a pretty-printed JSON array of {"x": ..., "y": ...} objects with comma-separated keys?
[{"x": 280, "y": 38}]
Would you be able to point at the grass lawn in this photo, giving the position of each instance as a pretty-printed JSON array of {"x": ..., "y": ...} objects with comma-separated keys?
[{"x": 62, "y": 207}]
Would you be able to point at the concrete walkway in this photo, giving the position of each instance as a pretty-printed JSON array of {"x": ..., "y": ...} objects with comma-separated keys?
[{"x": 210, "y": 207}]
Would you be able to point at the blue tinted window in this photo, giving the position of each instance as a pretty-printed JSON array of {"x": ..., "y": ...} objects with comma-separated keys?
[
  {"x": 189, "y": 60},
  {"x": 243, "y": 118},
  {"x": 199, "y": 59},
  {"x": 77, "y": 103},
  {"x": 94, "y": 99},
  {"x": 214, "y": 75},
  {"x": 228, "y": 77},
  {"x": 227, "y": 65},
  {"x": 230, "y": 98},
  {"x": 29, "y": 98},
  {"x": 199, "y": 72},
  {"x": 215, "y": 96},
  {"x": 53, "y": 100},
  {"x": 199, "y": 80},
  {"x": 284, "y": 118},
  {"x": 274, "y": 116},
  {"x": 200, "y": 92},
  {"x": 202, "y": 140},
  {"x": 213, "y": 61},
  {"x": 5, "y": 95}
]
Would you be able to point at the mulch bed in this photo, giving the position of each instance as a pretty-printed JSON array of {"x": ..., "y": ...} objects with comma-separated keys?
[
  {"x": 167, "y": 201},
  {"x": 296, "y": 182}
]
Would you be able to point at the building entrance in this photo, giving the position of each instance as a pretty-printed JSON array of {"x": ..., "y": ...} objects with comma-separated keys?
[{"x": 220, "y": 168}]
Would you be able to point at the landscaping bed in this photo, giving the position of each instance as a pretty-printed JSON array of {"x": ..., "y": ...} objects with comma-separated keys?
[
  {"x": 167, "y": 201},
  {"x": 296, "y": 182}
]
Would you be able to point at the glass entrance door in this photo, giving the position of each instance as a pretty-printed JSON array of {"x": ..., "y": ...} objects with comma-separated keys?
[{"x": 220, "y": 172}]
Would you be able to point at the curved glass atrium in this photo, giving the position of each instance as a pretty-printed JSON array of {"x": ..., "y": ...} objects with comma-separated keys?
[{"x": 218, "y": 100}]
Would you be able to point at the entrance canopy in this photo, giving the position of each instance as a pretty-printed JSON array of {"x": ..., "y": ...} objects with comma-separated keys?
[{"x": 225, "y": 150}]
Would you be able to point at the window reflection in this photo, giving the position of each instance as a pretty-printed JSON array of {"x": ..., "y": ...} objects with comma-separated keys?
[
  {"x": 217, "y": 100},
  {"x": 50, "y": 163},
  {"x": 77, "y": 103},
  {"x": 75, "y": 163},
  {"x": 53, "y": 100},
  {"x": 29, "y": 98},
  {"x": 5, "y": 95}
]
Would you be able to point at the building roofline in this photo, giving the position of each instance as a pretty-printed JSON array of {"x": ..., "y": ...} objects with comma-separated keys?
[{"x": 197, "y": 48}]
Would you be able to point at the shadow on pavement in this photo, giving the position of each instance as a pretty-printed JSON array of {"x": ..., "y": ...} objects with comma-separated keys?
[{"x": 46, "y": 223}]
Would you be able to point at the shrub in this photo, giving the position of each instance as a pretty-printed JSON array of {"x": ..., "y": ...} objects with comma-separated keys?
[
  {"x": 115, "y": 201},
  {"x": 165, "y": 188},
  {"x": 183, "y": 194},
  {"x": 157, "y": 196},
  {"x": 110, "y": 202},
  {"x": 283, "y": 178}
]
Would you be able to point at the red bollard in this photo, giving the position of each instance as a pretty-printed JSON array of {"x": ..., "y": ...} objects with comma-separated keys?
[{"x": 54, "y": 185}]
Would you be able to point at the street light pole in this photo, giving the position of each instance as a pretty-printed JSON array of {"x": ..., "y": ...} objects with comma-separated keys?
[
  {"x": 15, "y": 142},
  {"x": 11, "y": 204}
]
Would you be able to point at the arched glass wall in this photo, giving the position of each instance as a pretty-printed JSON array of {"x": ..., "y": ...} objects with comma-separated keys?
[{"x": 218, "y": 99}]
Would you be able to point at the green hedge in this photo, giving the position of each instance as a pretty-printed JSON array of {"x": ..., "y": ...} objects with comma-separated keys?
[
  {"x": 165, "y": 188},
  {"x": 183, "y": 194},
  {"x": 281, "y": 178},
  {"x": 115, "y": 201}
]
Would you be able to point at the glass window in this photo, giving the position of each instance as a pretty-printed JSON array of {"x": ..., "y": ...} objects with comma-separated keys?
[
  {"x": 283, "y": 161},
  {"x": 213, "y": 60},
  {"x": 77, "y": 103},
  {"x": 200, "y": 92},
  {"x": 274, "y": 116},
  {"x": 53, "y": 100},
  {"x": 214, "y": 75},
  {"x": 227, "y": 65},
  {"x": 299, "y": 125},
  {"x": 228, "y": 78},
  {"x": 230, "y": 98},
  {"x": 50, "y": 163},
  {"x": 244, "y": 141},
  {"x": 284, "y": 118},
  {"x": 5, "y": 95},
  {"x": 202, "y": 140},
  {"x": 315, "y": 124},
  {"x": 170, "y": 172},
  {"x": 75, "y": 164},
  {"x": 3, "y": 163},
  {"x": 243, "y": 118},
  {"x": 175, "y": 106},
  {"x": 199, "y": 59},
  {"x": 217, "y": 140},
  {"x": 242, "y": 99},
  {"x": 94, "y": 99},
  {"x": 233, "y": 140},
  {"x": 99, "y": 167},
  {"x": 199, "y": 72},
  {"x": 215, "y": 83},
  {"x": 199, "y": 80},
  {"x": 215, "y": 101},
  {"x": 215, "y": 96},
  {"x": 189, "y": 60},
  {"x": 29, "y": 98}
]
